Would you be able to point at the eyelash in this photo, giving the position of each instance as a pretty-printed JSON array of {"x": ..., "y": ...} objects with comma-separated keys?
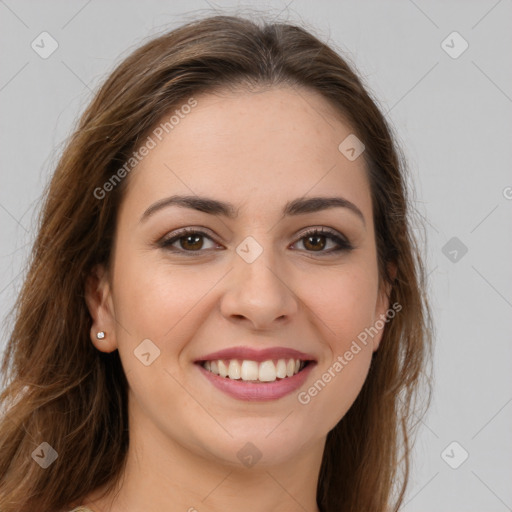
[{"x": 343, "y": 245}]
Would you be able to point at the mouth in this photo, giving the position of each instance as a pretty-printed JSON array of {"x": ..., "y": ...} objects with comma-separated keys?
[
  {"x": 245, "y": 373},
  {"x": 253, "y": 371}
]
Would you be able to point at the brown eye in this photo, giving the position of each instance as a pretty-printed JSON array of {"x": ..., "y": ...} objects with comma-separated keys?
[
  {"x": 187, "y": 241},
  {"x": 314, "y": 242},
  {"x": 191, "y": 242},
  {"x": 321, "y": 241},
  {"x": 318, "y": 239}
]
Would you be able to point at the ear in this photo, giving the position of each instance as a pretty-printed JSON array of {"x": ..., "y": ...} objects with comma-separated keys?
[
  {"x": 382, "y": 306},
  {"x": 99, "y": 302}
]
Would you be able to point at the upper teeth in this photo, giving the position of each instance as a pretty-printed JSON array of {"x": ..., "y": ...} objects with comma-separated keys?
[{"x": 266, "y": 371}]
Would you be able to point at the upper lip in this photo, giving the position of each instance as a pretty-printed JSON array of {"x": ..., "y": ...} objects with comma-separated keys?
[{"x": 258, "y": 355}]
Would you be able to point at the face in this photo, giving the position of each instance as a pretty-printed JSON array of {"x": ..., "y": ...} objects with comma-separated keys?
[{"x": 264, "y": 285}]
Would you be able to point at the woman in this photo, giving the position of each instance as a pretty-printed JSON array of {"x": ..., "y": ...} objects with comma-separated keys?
[{"x": 225, "y": 307}]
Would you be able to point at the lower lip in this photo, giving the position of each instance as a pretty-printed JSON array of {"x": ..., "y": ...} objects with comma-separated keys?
[{"x": 258, "y": 391}]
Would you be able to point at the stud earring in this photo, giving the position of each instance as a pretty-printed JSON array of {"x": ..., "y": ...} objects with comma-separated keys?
[{"x": 100, "y": 335}]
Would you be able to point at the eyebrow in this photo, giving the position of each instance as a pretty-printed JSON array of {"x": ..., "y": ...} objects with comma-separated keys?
[{"x": 298, "y": 206}]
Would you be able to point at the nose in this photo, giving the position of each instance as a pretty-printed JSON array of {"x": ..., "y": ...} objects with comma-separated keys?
[{"x": 259, "y": 295}]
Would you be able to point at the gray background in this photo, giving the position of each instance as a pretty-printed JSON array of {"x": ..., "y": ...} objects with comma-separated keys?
[{"x": 452, "y": 116}]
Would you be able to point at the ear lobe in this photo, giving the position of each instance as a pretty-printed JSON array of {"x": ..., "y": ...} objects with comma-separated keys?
[{"x": 99, "y": 303}]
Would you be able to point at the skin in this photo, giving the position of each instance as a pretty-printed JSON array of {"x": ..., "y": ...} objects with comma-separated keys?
[{"x": 251, "y": 149}]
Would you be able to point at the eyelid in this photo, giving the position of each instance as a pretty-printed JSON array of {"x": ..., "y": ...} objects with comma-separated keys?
[
  {"x": 166, "y": 241},
  {"x": 342, "y": 242},
  {"x": 323, "y": 231},
  {"x": 340, "y": 239}
]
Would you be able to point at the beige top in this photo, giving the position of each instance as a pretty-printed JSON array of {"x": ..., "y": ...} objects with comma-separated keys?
[{"x": 81, "y": 509}]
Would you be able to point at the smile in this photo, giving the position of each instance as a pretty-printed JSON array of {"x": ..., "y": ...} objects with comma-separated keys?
[
  {"x": 256, "y": 374},
  {"x": 257, "y": 390},
  {"x": 254, "y": 371}
]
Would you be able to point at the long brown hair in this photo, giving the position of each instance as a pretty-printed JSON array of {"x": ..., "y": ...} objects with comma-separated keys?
[{"x": 58, "y": 389}]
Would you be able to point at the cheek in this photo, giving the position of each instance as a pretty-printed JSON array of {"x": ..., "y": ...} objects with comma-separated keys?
[
  {"x": 159, "y": 301},
  {"x": 343, "y": 300},
  {"x": 344, "y": 306},
  {"x": 335, "y": 387}
]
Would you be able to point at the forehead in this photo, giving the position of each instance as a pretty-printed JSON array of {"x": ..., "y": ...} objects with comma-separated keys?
[{"x": 265, "y": 147}]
